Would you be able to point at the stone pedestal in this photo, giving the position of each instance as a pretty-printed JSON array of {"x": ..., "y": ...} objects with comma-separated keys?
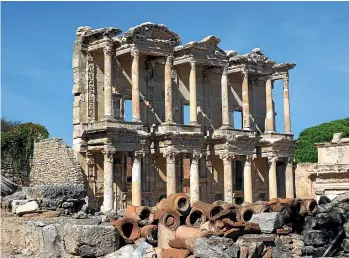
[
  {"x": 136, "y": 109},
  {"x": 272, "y": 178},
  {"x": 194, "y": 179},
  {"x": 137, "y": 180},
  {"x": 248, "y": 180}
]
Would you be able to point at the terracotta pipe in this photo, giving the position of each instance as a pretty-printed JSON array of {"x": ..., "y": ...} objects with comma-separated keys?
[
  {"x": 295, "y": 204},
  {"x": 128, "y": 229},
  {"x": 226, "y": 205},
  {"x": 157, "y": 216},
  {"x": 185, "y": 232},
  {"x": 234, "y": 232},
  {"x": 175, "y": 253},
  {"x": 246, "y": 212},
  {"x": 195, "y": 218},
  {"x": 137, "y": 212},
  {"x": 177, "y": 243},
  {"x": 310, "y": 206},
  {"x": 176, "y": 203},
  {"x": 170, "y": 220},
  {"x": 209, "y": 209},
  {"x": 252, "y": 228},
  {"x": 231, "y": 214},
  {"x": 150, "y": 233}
]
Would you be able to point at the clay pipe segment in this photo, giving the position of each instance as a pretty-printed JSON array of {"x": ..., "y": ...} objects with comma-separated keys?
[
  {"x": 209, "y": 210},
  {"x": 184, "y": 232},
  {"x": 137, "y": 212},
  {"x": 310, "y": 206},
  {"x": 177, "y": 243},
  {"x": 178, "y": 203},
  {"x": 195, "y": 218},
  {"x": 150, "y": 233},
  {"x": 128, "y": 229},
  {"x": 226, "y": 205},
  {"x": 170, "y": 220},
  {"x": 246, "y": 212},
  {"x": 260, "y": 208},
  {"x": 157, "y": 216},
  {"x": 175, "y": 253}
]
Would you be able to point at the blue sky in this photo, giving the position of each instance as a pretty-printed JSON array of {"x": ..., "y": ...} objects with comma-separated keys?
[{"x": 37, "y": 43}]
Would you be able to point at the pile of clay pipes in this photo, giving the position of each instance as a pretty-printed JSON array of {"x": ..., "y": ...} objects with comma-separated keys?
[{"x": 173, "y": 224}]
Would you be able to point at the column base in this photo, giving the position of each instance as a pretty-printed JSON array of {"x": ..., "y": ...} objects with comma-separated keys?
[
  {"x": 270, "y": 131},
  {"x": 290, "y": 133},
  {"x": 194, "y": 123},
  {"x": 169, "y": 123},
  {"x": 247, "y": 129},
  {"x": 108, "y": 118},
  {"x": 136, "y": 120},
  {"x": 226, "y": 127}
]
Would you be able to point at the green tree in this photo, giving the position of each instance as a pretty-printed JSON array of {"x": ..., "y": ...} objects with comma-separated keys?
[
  {"x": 306, "y": 150},
  {"x": 17, "y": 144}
]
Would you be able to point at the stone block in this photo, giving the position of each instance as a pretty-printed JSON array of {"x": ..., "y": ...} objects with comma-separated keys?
[
  {"x": 90, "y": 240},
  {"x": 215, "y": 247},
  {"x": 16, "y": 203},
  {"x": 316, "y": 238},
  {"x": 124, "y": 252},
  {"x": 28, "y": 207},
  {"x": 268, "y": 221},
  {"x": 328, "y": 219},
  {"x": 313, "y": 251},
  {"x": 14, "y": 196}
]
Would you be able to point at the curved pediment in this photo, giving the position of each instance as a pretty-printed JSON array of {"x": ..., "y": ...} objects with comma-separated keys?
[
  {"x": 256, "y": 57},
  {"x": 151, "y": 32}
]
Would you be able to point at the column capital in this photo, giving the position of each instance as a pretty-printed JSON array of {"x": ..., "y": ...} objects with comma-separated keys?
[
  {"x": 272, "y": 161},
  {"x": 135, "y": 53},
  {"x": 169, "y": 60},
  {"x": 139, "y": 154},
  {"x": 225, "y": 70},
  {"x": 108, "y": 153},
  {"x": 192, "y": 63},
  {"x": 170, "y": 155},
  {"x": 227, "y": 157},
  {"x": 247, "y": 158},
  {"x": 196, "y": 155},
  {"x": 108, "y": 48},
  {"x": 289, "y": 161}
]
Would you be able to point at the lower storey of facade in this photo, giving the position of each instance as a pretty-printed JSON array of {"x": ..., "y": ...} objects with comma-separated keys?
[{"x": 116, "y": 179}]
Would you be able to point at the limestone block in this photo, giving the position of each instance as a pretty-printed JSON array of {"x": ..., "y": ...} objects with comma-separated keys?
[
  {"x": 346, "y": 228},
  {"x": 268, "y": 221},
  {"x": 124, "y": 252},
  {"x": 215, "y": 247},
  {"x": 27, "y": 207},
  {"x": 316, "y": 238},
  {"x": 90, "y": 240},
  {"x": 16, "y": 203},
  {"x": 345, "y": 245}
]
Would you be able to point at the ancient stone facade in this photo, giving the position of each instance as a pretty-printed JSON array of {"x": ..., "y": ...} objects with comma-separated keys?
[
  {"x": 331, "y": 173},
  {"x": 54, "y": 163},
  {"x": 209, "y": 158}
]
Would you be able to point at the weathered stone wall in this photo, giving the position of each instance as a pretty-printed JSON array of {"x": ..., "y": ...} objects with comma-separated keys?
[
  {"x": 303, "y": 182},
  {"x": 54, "y": 163}
]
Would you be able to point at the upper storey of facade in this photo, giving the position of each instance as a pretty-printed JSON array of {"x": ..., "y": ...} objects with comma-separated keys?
[{"x": 148, "y": 66}]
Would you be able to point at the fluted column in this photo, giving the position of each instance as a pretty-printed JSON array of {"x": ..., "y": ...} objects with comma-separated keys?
[
  {"x": 289, "y": 179},
  {"x": 245, "y": 102},
  {"x": 228, "y": 178},
  {"x": 194, "y": 178},
  {"x": 137, "y": 180},
  {"x": 168, "y": 90},
  {"x": 192, "y": 90},
  {"x": 225, "y": 99},
  {"x": 171, "y": 173},
  {"x": 286, "y": 105},
  {"x": 269, "y": 118},
  {"x": 108, "y": 174},
  {"x": 136, "y": 109},
  {"x": 272, "y": 178},
  {"x": 248, "y": 179},
  {"x": 108, "y": 49}
]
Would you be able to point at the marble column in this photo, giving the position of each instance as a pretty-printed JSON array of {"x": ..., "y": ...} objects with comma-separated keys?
[
  {"x": 136, "y": 109},
  {"x": 269, "y": 118},
  {"x": 108, "y": 103},
  {"x": 194, "y": 178},
  {"x": 171, "y": 173},
  {"x": 272, "y": 178},
  {"x": 91, "y": 179},
  {"x": 137, "y": 180},
  {"x": 225, "y": 99},
  {"x": 108, "y": 174},
  {"x": 228, "y": 178},
  {"x": 248, "y": 179},
  {"x": 286, "y": 105},
  {"x": 192, "y": 90},
  {"x": 245, "y": 102},
  {"x": 168, "y": 90},
  {"x": 289, "y": 179}
]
